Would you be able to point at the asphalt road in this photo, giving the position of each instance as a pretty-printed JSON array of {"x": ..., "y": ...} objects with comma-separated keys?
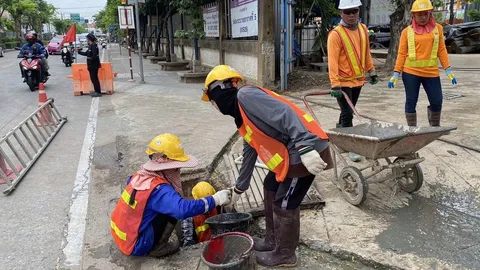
[{"x": 34, "y": 218}]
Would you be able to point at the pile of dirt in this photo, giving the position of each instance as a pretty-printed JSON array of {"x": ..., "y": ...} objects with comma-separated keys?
[{"x": 305, "y": 79}]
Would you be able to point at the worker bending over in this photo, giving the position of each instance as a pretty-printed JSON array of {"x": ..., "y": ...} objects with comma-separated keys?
[{"x": 291, "y": 144}]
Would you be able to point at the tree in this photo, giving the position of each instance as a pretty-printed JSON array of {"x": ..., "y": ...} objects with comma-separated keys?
[
  {"x": 61, "y": 26},
  {"x": 80, "y": 29},
  {"x": 399, "y": 19},
  {"x": 194, "y": 11},
  {"x": 43, "y": 14},
  {"x": 18, "y": 9}
]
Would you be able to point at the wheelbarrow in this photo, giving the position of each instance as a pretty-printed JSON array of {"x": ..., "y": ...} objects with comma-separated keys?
[{"x": 398, "y": 145}]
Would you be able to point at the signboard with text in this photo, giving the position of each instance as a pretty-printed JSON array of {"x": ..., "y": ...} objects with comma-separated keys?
[
  {"x": 75, "y": 17},
  {"x": 125, "y": 17},
  {"x": 244, "y": 18},
  {"x": 212, "y": 24}
]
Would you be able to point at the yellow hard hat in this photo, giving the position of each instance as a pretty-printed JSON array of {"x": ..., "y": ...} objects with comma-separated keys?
[
  {"x": 422, "y": 5},
  {"x": 168, "y": 145},
  {"x": 202, "y": 190},
  {"x": 220, "y": 73}
]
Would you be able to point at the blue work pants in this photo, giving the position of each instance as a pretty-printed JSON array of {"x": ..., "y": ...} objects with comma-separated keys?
[{"x": 432, "y": 87}]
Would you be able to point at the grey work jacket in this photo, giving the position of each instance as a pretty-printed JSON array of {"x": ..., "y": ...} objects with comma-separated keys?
[{"x": 277, "y": 120}]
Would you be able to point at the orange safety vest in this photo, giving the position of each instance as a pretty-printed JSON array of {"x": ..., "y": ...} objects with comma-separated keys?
[
  {"x": 272, "y": 152},
  {"x": 201, "y": 228},
  {"x": 128, "y": 214},
  {"x": 356, "y": 62}
]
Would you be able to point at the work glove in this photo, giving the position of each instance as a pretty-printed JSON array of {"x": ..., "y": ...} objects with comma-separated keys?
[
  {"x": 222, "y": 197},
  {"x": 336, "y": 92},
  {"x": 311, "y": 160},
  {"x": 373, "y": 77},
  {"x": 450, "y": 75},
  {"x": 393, "y": 80}
]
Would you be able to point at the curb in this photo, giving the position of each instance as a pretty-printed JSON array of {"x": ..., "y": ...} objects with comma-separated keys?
[
  {"x": 343, "y": 254},
  {"x": 472, "y": 148}
]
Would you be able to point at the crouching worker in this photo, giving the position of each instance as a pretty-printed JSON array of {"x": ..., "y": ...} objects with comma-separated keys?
[
  {"x": 195, "y": 230},
  {"x": 147, "y": 212}
]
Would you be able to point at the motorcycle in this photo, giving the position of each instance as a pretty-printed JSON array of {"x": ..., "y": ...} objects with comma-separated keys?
[
  {"x": 104, "y": 45},
  {"x": 67, "y": 57},
  {"x": 32, "y": 70}
]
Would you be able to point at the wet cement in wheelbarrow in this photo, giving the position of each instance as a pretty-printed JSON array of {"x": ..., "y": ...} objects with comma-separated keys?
[{"x": 444, "y": 227}]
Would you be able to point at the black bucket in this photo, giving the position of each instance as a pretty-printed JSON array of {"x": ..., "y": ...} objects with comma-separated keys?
[
  {"x": 232, "y": 251},
  {"x": 229, "y": 222}
]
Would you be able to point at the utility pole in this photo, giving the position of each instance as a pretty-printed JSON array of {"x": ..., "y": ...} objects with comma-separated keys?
[{"x": 139, "y": 41}]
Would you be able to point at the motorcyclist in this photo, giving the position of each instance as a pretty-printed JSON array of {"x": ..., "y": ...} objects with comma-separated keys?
[
  {"x": 46, "y": 55},
  {"x": 36, "y": 49},
  {"x": 66, "y": 52}
]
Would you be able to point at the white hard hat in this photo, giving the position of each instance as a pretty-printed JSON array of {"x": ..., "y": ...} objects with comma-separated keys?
[{"x": 346, "y": 4}]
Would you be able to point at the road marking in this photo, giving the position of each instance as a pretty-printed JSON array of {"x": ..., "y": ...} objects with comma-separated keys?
[{"x": 78, "y": 209}]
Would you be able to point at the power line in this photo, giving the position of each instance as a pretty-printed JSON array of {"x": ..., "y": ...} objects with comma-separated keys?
[{"x": 82, "y": 7}]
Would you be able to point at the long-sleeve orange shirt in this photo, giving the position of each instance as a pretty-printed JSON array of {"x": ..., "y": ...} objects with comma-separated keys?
[
  {"x": 423, "y": 50},
  {"x": 338, "y": 62}
]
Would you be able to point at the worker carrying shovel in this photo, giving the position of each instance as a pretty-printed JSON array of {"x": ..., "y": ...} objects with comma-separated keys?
[
  {"x": 349, "y": 60},
  {"x": 291, "y": 144},
  {"x": 147, "y": 212},
  {"x": 421, "y": 46}
]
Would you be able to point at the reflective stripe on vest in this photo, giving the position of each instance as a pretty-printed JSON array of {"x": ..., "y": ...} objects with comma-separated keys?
[
  {"x": 202, "y": 228},
  {"x": 127, "y": 217},
  {"x": 272, "y": 152},
  {"x": 412, "y": 54},
  {"x": 357, "y": 64}
]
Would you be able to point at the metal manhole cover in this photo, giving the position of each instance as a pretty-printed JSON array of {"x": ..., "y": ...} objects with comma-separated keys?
[{"x": 252, "y": 200}]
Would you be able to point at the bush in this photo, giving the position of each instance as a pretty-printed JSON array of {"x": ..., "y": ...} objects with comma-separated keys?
[
  {"x": 474, "y": 14},
  {"x": 9, "y": 39}
]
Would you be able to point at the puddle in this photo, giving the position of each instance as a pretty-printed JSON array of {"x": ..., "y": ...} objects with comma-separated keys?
[{"x": 449, "y": 230}]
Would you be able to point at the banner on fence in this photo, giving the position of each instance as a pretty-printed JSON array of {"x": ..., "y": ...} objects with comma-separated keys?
[
  {"x": 212, "y": 23},
  {"x": 244, "y": 18}
]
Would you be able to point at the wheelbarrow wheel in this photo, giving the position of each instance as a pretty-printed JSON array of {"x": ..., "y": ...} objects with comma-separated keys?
[
  {"x": 411, "y": 179},
  {"x": 353, "y": 185}
]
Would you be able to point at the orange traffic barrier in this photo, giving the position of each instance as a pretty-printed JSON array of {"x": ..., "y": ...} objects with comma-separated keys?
[
  {"x": 45, "y": 115},
  {"x": 81, "y": 79}
]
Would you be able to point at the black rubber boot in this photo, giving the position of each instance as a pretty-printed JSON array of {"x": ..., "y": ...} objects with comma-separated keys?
[
  {"x": 287, "y": 235},
  {"x": 164, "y": 247},
  {"x": 267, "y": 243}
]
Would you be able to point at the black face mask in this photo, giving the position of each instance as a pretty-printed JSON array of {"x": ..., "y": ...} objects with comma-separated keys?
[{"x": 227, "y": 103}]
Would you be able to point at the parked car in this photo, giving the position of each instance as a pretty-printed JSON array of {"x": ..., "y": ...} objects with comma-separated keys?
[
  {"x": 1, "y": 52},
  {"x": 53, "y": 46}
]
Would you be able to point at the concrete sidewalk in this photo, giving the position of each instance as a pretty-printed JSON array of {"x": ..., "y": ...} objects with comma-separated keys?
[{"x": 405, "y": 231}]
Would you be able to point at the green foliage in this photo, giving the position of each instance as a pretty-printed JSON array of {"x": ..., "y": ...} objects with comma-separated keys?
[
  {"x": 474, "y": 14},
  {"x": 33, "y": 13},
  {"x": 193, "y": 9},
  {"x": 180, "y": 34},
  {"x": 327, "y": 11},
  {"x": 80, "y": 29},
  {"x": 61, "y": 26},
  {"x": 108, "y": 16}
]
